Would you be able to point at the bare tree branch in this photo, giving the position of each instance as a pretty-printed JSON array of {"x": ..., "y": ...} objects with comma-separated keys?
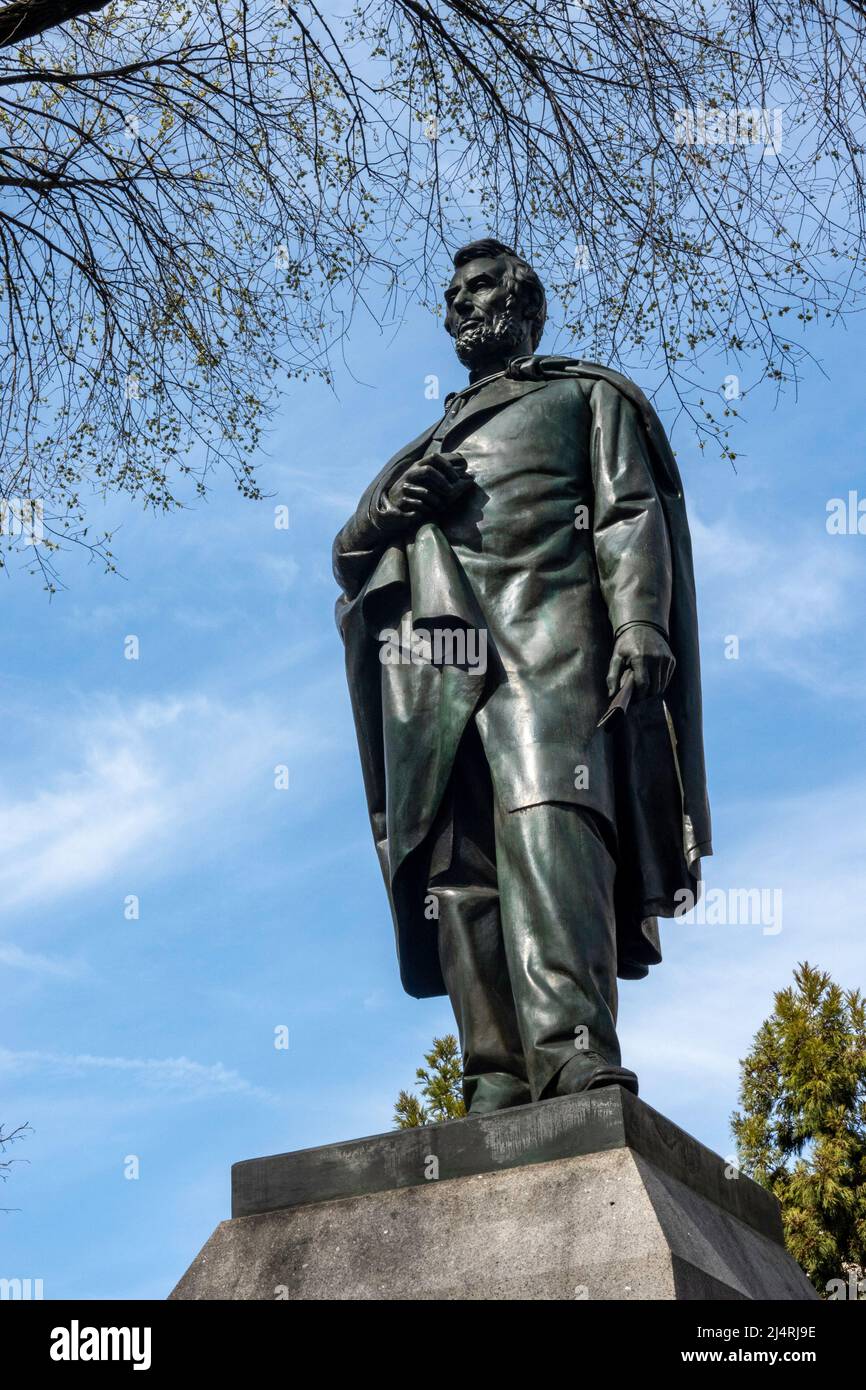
[
  {"x": 26, "y": 18},
  {"x": 198, "y": 199}
]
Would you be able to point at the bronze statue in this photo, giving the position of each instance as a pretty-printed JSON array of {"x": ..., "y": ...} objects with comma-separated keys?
[{"x": 518, "y": 613}]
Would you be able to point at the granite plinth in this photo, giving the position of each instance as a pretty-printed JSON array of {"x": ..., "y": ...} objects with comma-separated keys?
[{"x": 592, "y": 1197}]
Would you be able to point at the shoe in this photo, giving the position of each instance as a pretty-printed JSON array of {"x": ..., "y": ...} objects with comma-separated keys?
[
  {"x": 494, "y": 1091},
  {"x": 613, "y": 1076},
  {"x": 589, "y": 1072}
]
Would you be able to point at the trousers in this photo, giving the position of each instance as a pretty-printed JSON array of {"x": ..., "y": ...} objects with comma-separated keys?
[{"x": 527, "y": 937}]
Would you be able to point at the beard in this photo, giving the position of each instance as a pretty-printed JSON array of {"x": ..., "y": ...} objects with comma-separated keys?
[{"x": 494, "y": 337}]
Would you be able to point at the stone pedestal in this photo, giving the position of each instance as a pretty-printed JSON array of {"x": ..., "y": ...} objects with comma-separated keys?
[{"x": 587, "y": 1197}]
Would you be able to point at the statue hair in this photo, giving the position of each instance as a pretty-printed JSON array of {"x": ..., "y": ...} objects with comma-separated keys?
[{"x": 521, "y": 280}]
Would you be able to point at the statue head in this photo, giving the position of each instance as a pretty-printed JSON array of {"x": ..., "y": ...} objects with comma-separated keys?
[{"x": 496, "y": 306}]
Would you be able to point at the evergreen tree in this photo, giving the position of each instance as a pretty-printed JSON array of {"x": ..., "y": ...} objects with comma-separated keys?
[
  {"x": 441, "y": 1088},
  {"x": 801, "y": 1131}
]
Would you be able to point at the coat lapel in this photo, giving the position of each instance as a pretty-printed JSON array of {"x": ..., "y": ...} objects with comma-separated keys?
[
  {"x": 411, "y": 451},
  {"x": 482, "y": 403},
  {"x": 450, "y": 429}
]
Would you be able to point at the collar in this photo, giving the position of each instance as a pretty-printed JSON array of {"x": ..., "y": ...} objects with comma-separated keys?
[{"x": 472, "y": 388}]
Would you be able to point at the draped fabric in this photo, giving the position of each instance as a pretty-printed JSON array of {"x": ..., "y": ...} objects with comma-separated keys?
[{"x": 410, "y": 715}]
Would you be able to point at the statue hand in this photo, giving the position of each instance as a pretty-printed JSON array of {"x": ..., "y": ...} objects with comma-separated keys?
[
  {"x": 642, "y": 649},
  {"x": 428, "y": 486}
]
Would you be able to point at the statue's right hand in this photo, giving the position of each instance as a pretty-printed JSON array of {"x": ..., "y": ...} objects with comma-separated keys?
[{"x": 427, "y": 487}]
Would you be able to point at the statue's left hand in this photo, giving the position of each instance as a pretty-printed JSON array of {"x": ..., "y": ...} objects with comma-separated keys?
[{"x": 643, "y": 650}]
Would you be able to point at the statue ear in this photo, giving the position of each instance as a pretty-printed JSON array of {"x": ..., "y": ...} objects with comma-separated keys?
[{"x": 537, "y": 318}]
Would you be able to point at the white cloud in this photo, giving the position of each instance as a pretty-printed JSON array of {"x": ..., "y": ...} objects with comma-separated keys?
[
  {"x": 177, "y": 1076},
  {"x": 279, "y": 571},
  {"x": 15, "y": 959},
  {"x": 130, "y": 779},
  {"x": 784, "y": 594}
]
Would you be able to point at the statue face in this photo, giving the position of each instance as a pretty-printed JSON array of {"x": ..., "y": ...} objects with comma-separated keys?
[{"x": 483, "y": 315}]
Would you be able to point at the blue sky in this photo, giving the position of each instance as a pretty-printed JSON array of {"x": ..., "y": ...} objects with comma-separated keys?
[{"x": 262, "y": 907}]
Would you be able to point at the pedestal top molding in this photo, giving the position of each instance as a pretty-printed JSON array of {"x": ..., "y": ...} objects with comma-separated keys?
[{"x": 597, "y": 1122}]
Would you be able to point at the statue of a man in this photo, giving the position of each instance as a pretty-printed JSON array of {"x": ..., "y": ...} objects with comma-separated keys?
[{"x": 518, "y": 612}]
